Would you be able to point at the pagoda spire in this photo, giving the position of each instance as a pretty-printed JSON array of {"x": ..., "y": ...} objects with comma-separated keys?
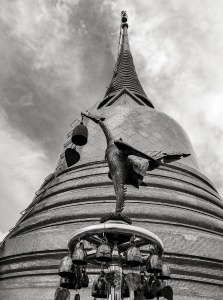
[{"x": 124, "y": 76}]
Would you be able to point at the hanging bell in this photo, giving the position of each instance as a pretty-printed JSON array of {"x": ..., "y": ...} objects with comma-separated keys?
[
  {"x": 79, "y": 255},
  {"x": 167, "y": 292},
  {"x": 80, "y": 135},
  {"x": 103, "y": 253},
  {"x": 71, "y": 156},
  {"x": 165, "y": 274},
  {"x": 68, "y": 283},
  {"x": 77, "y": 297},
  {"x": 154, "y": 264},
  {"x": 100, "y": 287},
  {"x": 133, "y": 255},
  {"x": 66, "y": 267},
  {"x": 84, "y": 278}
]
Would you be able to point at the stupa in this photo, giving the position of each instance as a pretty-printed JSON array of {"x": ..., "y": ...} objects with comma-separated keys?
[{"x": 178, "y": 203}]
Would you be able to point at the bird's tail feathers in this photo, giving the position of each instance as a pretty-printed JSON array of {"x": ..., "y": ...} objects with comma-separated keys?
[{"x": 121, "y": 192}]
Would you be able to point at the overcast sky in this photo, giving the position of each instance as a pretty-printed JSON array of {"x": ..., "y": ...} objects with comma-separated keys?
[{"x": 57, "y": 58}]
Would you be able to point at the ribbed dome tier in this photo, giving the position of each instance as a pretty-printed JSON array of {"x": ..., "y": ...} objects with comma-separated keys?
[{"x": 125, "y": 76}]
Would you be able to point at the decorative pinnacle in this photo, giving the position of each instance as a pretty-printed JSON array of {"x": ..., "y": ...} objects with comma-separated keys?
[
  {"x": 124, "y": 76},
  {"x": 125, "y": 40},
  {"x": 124, "y": 18}
]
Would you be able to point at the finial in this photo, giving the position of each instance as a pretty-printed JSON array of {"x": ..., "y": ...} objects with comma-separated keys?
[
  {"x": 124, "y": 18},
  {"x": 124, "y": 76}
]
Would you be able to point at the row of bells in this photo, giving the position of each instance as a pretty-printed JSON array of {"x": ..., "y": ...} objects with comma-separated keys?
[
  {"x": 72, "y": 276},
  {"x": 148, "y": 288},
  {"x": 79, "y": 138},
  {"x": 133, "y": 258}
]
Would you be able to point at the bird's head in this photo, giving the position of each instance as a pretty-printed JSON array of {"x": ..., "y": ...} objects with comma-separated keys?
[{"x": 93, "y": 117}]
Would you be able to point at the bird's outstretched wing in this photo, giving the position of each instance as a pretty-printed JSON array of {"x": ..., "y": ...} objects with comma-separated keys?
[
  {"x": 129, "y": 150},
  {"x": 140, "y": 165}
]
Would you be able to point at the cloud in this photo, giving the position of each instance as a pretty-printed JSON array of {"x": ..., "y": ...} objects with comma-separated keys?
[{"x": 24, "y": 165}]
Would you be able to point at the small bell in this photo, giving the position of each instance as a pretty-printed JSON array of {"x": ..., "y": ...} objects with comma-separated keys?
[
  {"x": 165, "y": 274},
  {"x": 103, "y": 253},
  {"x": 80, "y": 135},
  {"x": 85, "y": 278},
  {"x": 71, "y": 156},
  {"x": 100, "y": 287},
  {"x": 167, "y": 292},
  {"x": 79, "y": 255},
  {"x": 77, "y": 297},
  {"x": 154, "y": 264},
  {"x": 133, "y": 255},
  {"x": 66, "y": 267},
  {"x": 68, "y": 283}
]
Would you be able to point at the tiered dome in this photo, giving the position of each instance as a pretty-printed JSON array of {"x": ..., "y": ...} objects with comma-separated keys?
[{"x": 178, "y": 203}]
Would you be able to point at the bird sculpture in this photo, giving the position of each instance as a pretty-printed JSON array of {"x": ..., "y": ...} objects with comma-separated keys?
[{"x": 126, "y": 164}]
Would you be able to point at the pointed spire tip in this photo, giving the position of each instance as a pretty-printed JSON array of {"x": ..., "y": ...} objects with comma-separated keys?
[
  {"x": 124, "y": 19},
  {"x": 124, "y": 76}
]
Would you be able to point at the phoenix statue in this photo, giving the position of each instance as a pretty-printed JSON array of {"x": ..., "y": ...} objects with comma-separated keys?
[{"x": 126, "y": 164}]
